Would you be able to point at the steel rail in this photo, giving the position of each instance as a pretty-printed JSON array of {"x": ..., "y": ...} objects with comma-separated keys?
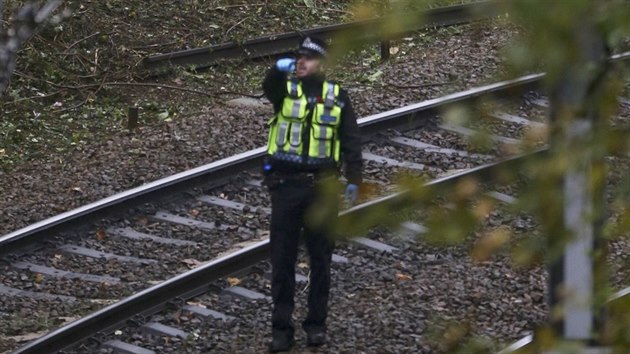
[
  {"x": 197, "y": 281},
  {"x": 403, "y": 199},
  {"x": 527, "y": 344},
  {"x": 285, "y": 42},
  {"x": 406, "y": 118}
]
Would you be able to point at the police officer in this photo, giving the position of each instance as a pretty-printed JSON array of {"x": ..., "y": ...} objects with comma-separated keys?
[{"x": 313, "y": 131}]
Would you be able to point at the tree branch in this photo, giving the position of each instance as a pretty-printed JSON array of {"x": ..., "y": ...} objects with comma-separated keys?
[{"x": 26, "y": 22}]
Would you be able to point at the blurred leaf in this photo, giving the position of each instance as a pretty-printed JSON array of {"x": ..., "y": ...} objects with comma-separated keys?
[
  {"x": 38, "y": 278},
  {"x": 163, "y": 115},
  {"x": 375, "y": 76},
  {"x": 101, "y": 235},
  {"x": 233, "y": 281},
  {"x": 489, "y": 243},
  {"x": 403, "y": 277}
]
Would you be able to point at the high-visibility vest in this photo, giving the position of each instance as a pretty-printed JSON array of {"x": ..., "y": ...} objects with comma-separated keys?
[{"x": 321, "y": 119}]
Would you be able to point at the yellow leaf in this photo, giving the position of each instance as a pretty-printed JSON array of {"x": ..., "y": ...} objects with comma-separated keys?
[
  {"x": 233, "y": 281},
  {"x": 483, "y": 208},
  {"x": 403, "y": 277},
  {"x": 489, "y": 243},
  {"x": 466, "y": 188},
  {"x": 38, "y": 278}
]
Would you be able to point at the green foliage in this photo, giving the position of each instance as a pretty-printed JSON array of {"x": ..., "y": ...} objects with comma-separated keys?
[{"x": 570, "y": 40}]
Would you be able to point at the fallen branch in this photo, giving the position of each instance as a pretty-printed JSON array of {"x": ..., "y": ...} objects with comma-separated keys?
[
  {"x": 418, "y": 86},
  {"x": 386, "y": 84},
  {"x": 236, "y": 24},
  {"x": 32, "y": 98},
  {"x": 139, "y": 84},
  {"x": 26, "y": 22},
  {"x": 80, "y": 40}
]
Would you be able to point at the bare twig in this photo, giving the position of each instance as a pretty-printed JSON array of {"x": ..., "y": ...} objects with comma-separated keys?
[
  {"x": 33, "y": 97},
  {"x": 149, "y": 84},
  {"x": 75, "y": 106},
  {"x": 157, "y": 45},
  {"x": 81, "y": 40},
  {"x": 240, "y": 5},
  {"x": 387, "y": 84},
  {"x": 238, "y": 23},
  {"x": 26, "y": 23},
  {"x": 418, "y": 86},
  {"x": 240, "y": 94},
  {"x": 139, "y": 84}
]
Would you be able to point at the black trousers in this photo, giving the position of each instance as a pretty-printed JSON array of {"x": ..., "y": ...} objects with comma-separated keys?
[{"x": 301, "y": 208}]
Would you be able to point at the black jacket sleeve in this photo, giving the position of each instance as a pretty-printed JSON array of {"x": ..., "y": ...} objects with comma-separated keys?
[
  {"x": 350, "y": 141},
  {"x": 274, "y": 87}
]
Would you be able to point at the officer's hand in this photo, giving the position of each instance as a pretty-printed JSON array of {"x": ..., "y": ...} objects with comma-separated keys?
[
  {"x": 286, "y": 64},
  {"x": 352, "y": 193}
]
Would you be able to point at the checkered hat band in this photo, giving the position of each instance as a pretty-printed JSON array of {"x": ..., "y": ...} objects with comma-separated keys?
[{"x": 314, "y": 47}]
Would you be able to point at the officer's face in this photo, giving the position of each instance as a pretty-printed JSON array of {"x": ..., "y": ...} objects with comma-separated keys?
[{"x": 308, "y": 65}]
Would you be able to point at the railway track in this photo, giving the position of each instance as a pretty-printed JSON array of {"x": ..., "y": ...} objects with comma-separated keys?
[
  {"x": 115, "y": 247},
  {"x": 285, "y": 42}
]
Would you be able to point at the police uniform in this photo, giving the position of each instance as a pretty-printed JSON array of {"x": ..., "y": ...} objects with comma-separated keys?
[{"x": 313, "y": 131}]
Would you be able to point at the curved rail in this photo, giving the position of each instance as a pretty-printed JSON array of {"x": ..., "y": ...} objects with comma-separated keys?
[{"x": 285, "y": 42}]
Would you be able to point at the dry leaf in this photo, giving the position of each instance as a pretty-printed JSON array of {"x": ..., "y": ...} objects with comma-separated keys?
[
  {"x": 233, "y": 281},
  {"x": 178, "y": 81},
  {"x": 302, "y": 265},
  {"x": 394, "y": 50},
  {"x": 195, "y": 303},
  {"x": 489, "y": 243},
  {"x": 194, "y": 212},
  {"x": 101, "y": 235},
  {"x": 38, "y": 278},
  {"x": 191, "y": 263},
  {"x": 403, "y": 277},
  {"x": 483, "y": 208}
]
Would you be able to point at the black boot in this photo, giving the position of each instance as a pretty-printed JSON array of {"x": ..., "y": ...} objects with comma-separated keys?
[
  {"x": 281, "y": 341},
  {"x": 315, "y": 337}
]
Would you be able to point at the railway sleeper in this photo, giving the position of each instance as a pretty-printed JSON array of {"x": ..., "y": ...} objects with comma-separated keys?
[
  {"x": 88, "y": 252},
  {"x": 58, "y": 273},
  {"x": 121, "y": 347}
]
